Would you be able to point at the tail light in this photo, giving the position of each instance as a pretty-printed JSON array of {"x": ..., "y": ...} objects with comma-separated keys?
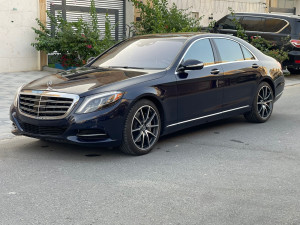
[{"x": 295, "y": 43}]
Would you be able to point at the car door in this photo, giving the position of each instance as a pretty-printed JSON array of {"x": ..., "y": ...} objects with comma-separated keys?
[
  {"x": 198, "y": 91},
  {"x": 241, "y": 72}
]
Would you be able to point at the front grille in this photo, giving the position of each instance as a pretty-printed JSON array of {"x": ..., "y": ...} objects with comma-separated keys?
[
  {"x": 43, "y": 106},
  {"x": 43, "y": 130}
]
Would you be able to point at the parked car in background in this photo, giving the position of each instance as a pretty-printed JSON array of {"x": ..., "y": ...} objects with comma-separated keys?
[
  {"x": 149, "y": 86},
  {"x": 272, "y": 27}
]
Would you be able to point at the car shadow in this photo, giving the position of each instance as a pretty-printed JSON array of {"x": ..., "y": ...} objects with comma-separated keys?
[
  {"x": 212, "y": 127},
  {"x": 66, "y": 151}
]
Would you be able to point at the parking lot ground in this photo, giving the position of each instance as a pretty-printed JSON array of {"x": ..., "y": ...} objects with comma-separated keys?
[{"x": 225, "y": 172}]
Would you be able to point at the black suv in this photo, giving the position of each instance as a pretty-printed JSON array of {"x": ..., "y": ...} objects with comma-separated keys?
[{"x": 272, "y": 27}]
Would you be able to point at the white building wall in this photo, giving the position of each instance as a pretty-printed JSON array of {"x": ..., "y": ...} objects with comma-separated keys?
[
  {"x": 129, "y": 15},
  {"x": 16, "y": 19},
  {"x": 297, "y": 5},
  {"x": 219, "y": 8}
]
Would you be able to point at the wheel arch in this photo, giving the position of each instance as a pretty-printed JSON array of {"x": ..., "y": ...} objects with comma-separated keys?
[
  {"x": 156, "y": 101},
  {"x": 270, "y": 82}
]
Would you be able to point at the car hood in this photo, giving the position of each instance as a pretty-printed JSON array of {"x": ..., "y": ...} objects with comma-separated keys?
[{"x": 86, "y": 79}]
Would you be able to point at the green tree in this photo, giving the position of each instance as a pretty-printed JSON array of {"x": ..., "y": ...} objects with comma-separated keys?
[{"x": 157, "y": 17}]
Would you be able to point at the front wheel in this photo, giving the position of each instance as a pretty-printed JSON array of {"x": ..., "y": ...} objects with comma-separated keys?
[
  {"x": 262, "y": 105},
  {"x": 142, "y": 128}
]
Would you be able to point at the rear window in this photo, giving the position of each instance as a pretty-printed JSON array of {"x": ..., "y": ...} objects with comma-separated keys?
[
  {"x": 274, "y": 25},
  {"x": 250, "y": 23}
]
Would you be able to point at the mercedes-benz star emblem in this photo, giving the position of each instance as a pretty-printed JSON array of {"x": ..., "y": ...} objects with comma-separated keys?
[{"x": 49, "y": 83}]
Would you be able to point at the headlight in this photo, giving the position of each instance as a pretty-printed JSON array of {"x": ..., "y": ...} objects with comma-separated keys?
[
  {"x": 96, "y": 102},
  {"x": 17, "y": 95}
]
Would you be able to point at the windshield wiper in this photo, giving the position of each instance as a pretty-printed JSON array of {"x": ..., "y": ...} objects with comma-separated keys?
[{"x": 127, "y": 67}]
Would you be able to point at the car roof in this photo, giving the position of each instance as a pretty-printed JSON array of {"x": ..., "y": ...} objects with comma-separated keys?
[
  {"x": 189, "y": 35},
  {"x": 269, "y": 15},
  {"x": 171, "y": 35}
]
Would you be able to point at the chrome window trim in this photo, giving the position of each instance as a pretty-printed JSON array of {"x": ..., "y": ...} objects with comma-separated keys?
[
  {"x": 202, "y": 117},
  {"x": 49, "y": 94},
  {"x": 176, "y": 72},
  {"x": 218, "y": 63}
]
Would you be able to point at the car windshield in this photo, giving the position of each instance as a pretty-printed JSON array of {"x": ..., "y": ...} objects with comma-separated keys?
[{"x": 150, "y": 53}]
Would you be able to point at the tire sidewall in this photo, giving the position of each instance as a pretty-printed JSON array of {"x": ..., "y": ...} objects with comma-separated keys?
[
  {"x": 255, "y": 101},
  {"x": 127, "y": 136}
]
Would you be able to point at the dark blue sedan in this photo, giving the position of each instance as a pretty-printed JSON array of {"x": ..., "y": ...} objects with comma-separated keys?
[{"x": 149, "y": 86}]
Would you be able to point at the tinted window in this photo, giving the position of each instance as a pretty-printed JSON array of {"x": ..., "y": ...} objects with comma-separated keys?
[
  {"x": 152, "y": 53},
  {"x": 253, "y": 23},
  {"x": 229, "y": 50},
  {"x": 202, "y": 51},
  {"x": 228, "y": 22},
  {"x": 247, "y": 55},
  {"x": 274, "y": 25}
]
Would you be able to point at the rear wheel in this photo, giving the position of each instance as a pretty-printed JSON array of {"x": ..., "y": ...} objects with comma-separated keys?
[
  {"x": 262, "y": 105},
  {"x": 142, "y": 128}
]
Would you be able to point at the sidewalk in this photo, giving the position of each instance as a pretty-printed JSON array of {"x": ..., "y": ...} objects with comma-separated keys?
[{"x": 9, "y": 83}]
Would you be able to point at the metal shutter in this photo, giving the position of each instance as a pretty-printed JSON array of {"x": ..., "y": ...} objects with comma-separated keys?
[{"x": 74, "y": 9}]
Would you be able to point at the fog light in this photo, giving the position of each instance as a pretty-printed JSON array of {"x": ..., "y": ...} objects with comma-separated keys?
[{"x": 92, "y": 134}]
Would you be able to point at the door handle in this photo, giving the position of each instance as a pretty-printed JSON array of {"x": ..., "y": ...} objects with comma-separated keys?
[
  {"x": 255, "y": 66},
  {"x": 215, "y": 71}
]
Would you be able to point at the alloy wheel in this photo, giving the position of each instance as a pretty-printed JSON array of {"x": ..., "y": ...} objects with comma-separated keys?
[
  {"x": 145, "y": 127},
  {"x": 265, "y": 102}
]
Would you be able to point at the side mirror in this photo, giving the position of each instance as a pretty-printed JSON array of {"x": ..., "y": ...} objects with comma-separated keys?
[
  {"x": 191, "y": 64},
  {"x": 90, "y": 60}
]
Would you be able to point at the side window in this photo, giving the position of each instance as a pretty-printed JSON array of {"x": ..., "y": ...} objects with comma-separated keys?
[
  {"x": 274, "y": 25},
  {"x": 253, "y": 23},
  {"x": 247, "y": 55},
  {"x": 229, "y": 50},
  {"x": 202, "y": 51},
  {"x": 228, "y": 23}
]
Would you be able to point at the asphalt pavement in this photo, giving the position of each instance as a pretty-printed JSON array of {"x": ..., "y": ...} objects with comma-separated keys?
[{"x": 225, "y": 172}]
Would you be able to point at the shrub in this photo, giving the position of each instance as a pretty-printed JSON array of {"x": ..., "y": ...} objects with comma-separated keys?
[
  {"x": 157, "y": 17},
  {"x": 75, "y": 41}
]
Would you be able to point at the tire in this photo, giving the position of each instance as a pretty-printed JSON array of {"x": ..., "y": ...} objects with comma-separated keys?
[
  {"x": 293, "y": 71},
  {"x": 142, "y": 128},
  {"x": 262, "y": 105}
]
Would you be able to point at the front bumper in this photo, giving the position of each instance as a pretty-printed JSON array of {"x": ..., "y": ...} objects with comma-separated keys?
[{"x": 103, "y": 128}]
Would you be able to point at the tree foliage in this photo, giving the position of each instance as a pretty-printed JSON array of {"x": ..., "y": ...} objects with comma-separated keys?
[{"x": 157, "y": 17}]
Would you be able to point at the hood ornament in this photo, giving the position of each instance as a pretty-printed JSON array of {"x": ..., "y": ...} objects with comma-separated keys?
[{"x": 49, "y": 83}]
